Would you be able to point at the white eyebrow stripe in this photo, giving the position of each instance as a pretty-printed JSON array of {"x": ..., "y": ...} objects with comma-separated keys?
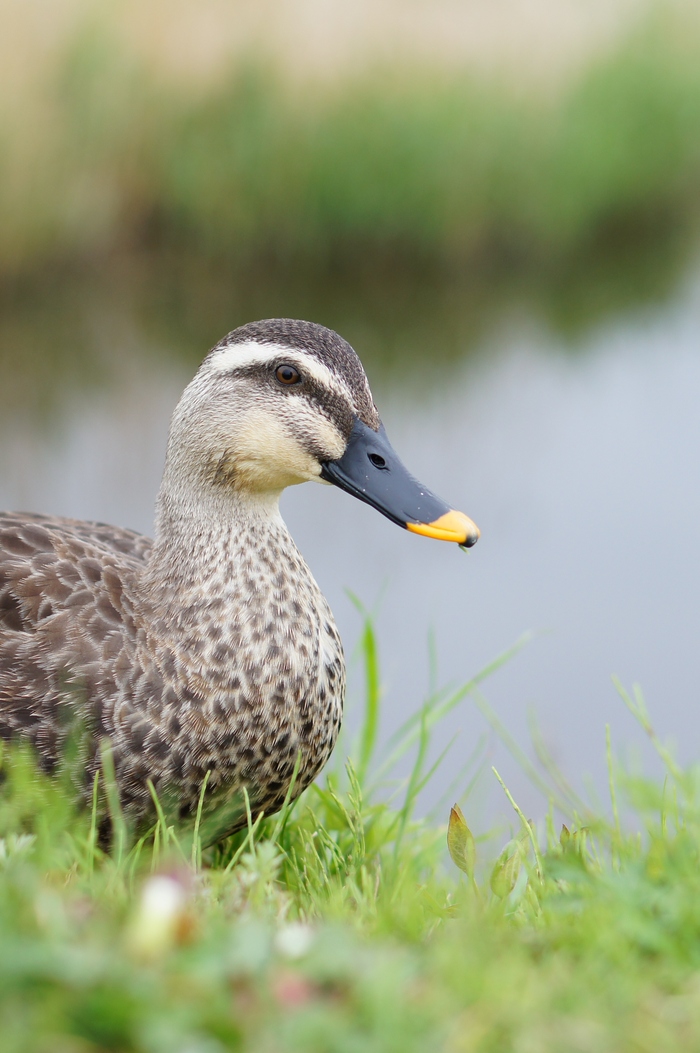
[{"x": 252, "y": 353}]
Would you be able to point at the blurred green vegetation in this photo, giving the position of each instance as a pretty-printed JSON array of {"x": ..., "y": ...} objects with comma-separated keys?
[
  {"x": 444, "y": 171},
  {"x": 405, "y": 210}
]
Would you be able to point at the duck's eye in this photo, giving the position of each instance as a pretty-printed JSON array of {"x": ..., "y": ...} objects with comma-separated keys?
[{"x": 288, "y": 375}]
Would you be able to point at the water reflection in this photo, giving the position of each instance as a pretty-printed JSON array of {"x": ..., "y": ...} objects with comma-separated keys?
[
  {"x": 581, "y": 471},
  {"x": 66, "y": 329}
]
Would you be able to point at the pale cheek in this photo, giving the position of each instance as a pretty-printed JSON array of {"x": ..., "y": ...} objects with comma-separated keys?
[
  {"x": 267, "y": 458},
  {"x": 330, "y": 439},
  {"x": 276, "y": 467},
  {"x": 259, "y": 450}
]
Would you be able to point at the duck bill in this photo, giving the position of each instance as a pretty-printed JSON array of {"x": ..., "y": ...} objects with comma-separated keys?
[{"x": 371, "y": 471}]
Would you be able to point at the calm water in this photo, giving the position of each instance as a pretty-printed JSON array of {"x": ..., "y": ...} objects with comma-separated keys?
[{"x": 580, "y": 465}]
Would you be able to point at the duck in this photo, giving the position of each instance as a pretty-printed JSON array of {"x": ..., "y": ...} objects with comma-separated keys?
[{"x": 206, "y": 662}]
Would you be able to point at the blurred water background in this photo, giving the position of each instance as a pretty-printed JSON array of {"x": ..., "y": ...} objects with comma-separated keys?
[{"x": 498, "y": 206}]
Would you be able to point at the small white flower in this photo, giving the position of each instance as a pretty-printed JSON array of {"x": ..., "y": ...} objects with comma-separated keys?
[
  {"x": 162, "y": 898},
  {"x": 294, "y": 940},
  {"x": 160, "y": 910}
]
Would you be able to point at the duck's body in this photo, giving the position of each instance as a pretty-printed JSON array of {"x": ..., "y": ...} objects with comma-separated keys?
[
  {"x": 146, "y": 651},
  {"x": 209, "y": 652}
]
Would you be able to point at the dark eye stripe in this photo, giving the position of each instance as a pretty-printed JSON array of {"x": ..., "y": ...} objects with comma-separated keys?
[{"x": 334, "y": 404}]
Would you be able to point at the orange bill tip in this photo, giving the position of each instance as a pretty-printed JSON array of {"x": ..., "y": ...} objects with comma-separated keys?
[{"x": 452, "y": 526}]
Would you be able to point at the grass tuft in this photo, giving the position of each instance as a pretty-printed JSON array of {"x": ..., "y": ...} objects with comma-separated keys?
[{"x": 342, "y": 923}]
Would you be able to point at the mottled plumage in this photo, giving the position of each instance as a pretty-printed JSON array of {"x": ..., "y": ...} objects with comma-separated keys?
[{"x": 210, "y": 649}]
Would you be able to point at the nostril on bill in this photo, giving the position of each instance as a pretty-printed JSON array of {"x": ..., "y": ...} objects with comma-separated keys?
[{"x": 377, "y": 460}]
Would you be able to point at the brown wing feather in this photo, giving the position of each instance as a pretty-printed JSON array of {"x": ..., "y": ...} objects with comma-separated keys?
[{"x": 62, "y": 607}]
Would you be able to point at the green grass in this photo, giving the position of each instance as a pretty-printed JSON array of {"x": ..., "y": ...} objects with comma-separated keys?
[{"x": 342, "y": 925}]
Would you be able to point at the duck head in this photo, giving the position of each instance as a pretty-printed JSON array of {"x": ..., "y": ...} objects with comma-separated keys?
[{"x": 281, "y": 402}]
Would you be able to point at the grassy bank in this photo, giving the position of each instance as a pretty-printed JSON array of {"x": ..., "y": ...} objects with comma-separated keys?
[
  {"x": 342, "y": 925},
  {"x": 444, "y": 170}
]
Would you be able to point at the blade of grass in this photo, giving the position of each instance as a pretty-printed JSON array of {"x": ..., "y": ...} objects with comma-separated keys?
[
  {"x": 196, "y": 861},
  {"x": 92, "y": 836},
  {"x": 638, "y": 709},
  {"x": 561, "y": 798},
  {"x": 119, "y": 829},
  {"x": 409, "y": 732},
  {"x": 527, "y": 826},
  {"x": 370, "y": 724},
  {"x": 570, "y": 802},
  {"x": 436, "y": 764},
  {"x": 162, "y": 824},
  {"x": 285, "y": 810},
  {"x": 452, "y": 792},
  {"x": 412, "y": 789},
  {"x": 249, "y": 840},
  {"x": 611, "y": 784}
]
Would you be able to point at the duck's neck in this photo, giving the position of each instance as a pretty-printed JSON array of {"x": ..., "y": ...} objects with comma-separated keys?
[{"x": 208, "y": 543}]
